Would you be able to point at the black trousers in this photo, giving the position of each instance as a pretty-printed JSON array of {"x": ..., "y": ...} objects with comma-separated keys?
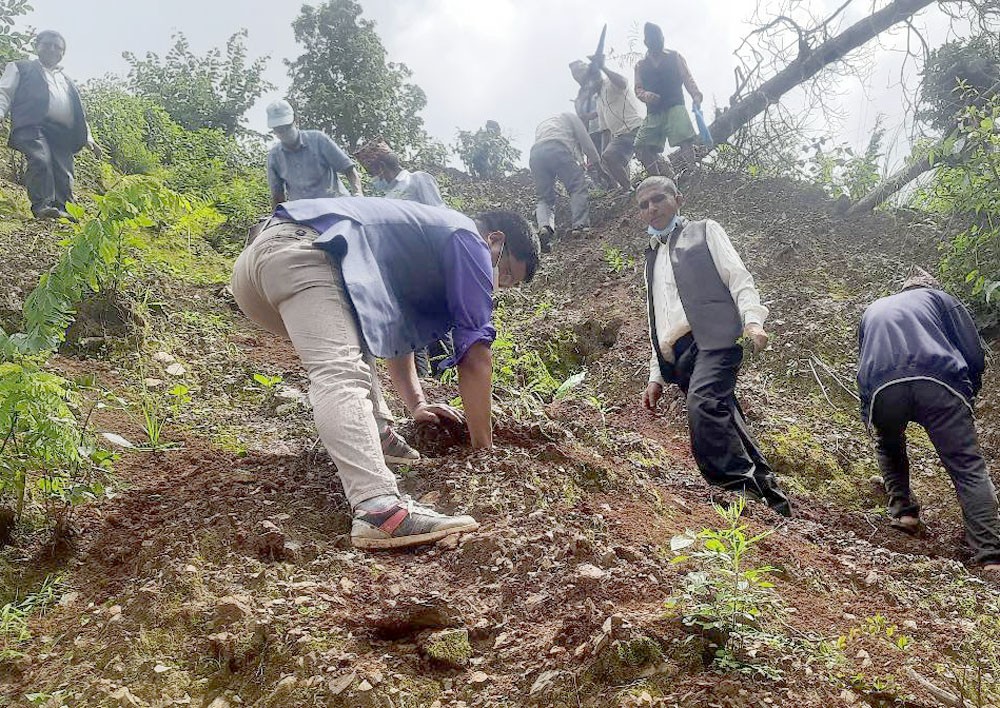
[
  {"x": 724, "y": 449},
  {"x": 49, "y": 175},
  {"x": 951, "y": 428}
]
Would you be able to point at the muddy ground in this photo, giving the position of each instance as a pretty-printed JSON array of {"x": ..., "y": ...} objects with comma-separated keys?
[{"x": 221, "y": 573}]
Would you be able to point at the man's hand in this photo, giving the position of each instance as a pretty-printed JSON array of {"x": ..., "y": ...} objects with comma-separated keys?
[
  {"x": 435, "y": 412},
  {"x": 96, "y": 149},
  {"x": 647, "y": 96},
  {"x": 757, "y": 336},
  {"x": 651, "y": 396}
]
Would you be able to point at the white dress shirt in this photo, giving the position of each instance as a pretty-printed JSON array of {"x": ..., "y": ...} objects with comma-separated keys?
[
  {"x": 60, "y": 99},
  {"x": 671, "y": 320}
]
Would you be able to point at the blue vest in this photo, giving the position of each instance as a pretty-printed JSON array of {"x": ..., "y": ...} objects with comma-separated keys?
[{"x": 391, "y": 254}]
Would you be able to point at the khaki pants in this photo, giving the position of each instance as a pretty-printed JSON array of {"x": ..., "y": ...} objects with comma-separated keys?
[{"x": 292, "y": 289}]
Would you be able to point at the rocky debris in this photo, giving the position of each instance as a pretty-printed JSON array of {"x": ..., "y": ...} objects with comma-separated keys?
[
  {"x": 411, "y": 616},
  {"x": 548, "y": 686},
  {"x": 622, "y": 653},
  {"x": 449, "y": 648},
  {"x": 230, "y": 610},
  {"x": 271, "y": 543},
  {"x": 588, "y": 573}
]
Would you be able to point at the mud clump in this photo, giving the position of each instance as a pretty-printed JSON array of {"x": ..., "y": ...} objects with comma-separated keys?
[{"x": 435, "y": 439}]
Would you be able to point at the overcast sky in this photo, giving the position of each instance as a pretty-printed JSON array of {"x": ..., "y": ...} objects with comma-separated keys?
[{"x": 475, "y": 59}]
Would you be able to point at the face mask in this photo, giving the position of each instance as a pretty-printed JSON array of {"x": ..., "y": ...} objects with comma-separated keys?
[{"x": 380, "y": 184}]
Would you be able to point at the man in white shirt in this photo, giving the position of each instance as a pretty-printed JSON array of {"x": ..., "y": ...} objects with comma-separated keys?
[
  {"x": 48, "y": 124},
  {"x": 700, "y": 300},
  {"x": 619, "y": 115},
  {"x": 561, "y": 142},
  {"x": 391, "y": 180}
]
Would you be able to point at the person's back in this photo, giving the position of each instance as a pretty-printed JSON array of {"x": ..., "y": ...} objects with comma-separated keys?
[
  {"x": 559, "y": 128},
  {"x": 916, "y": 334}
]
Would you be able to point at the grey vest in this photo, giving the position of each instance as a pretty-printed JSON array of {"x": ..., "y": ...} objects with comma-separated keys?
[
  {"x": 714, "y": 317},
  {"x": 30, "y": 105}
]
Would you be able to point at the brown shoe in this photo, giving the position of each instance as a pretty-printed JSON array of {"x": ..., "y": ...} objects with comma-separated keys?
[{"x": 911, "y": 525}]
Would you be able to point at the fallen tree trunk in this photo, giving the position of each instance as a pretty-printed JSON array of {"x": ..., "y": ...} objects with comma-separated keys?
[
  {"x": 809, "y": 63},
  {"x": 895, "y": 182}
]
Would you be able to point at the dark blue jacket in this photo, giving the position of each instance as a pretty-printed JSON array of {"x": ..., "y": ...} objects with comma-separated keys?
[{"x": 920, "y": 333}]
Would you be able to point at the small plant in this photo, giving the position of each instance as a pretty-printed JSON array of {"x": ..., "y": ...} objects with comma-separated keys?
[
  {"x": 157, "y": 412},
  {"x": 14, "y": 617},
  {"x": 617, "y": 261},
  {"x": 726, "y": 599},
  {"x": 46, "y": 452}
]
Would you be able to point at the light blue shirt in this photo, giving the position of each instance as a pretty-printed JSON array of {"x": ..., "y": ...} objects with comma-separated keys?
[
  {"x": 310, "y": 172},
  {"x": 412, "y": 186}
]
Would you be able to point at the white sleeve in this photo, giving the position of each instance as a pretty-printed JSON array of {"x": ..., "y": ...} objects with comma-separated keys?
[
  {"x": 8, "y": 85},
  {"x": 735, "y": 275},
  {"x": 654, "y": 370}
]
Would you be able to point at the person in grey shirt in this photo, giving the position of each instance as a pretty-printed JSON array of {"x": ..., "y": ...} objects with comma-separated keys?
[{"x": 305, "y": 164}]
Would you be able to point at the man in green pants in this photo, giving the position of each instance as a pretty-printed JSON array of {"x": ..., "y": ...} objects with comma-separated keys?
[{"x": 660, "y": 79}]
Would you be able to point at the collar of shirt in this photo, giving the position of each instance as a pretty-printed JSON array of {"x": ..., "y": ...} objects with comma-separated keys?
[{"x": 658, "y": 236}]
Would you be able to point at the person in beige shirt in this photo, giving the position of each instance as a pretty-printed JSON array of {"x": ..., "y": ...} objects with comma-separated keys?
[{"x": 619, "y": 115}]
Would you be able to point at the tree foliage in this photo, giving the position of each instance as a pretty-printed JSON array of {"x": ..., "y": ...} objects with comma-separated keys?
[
  {"x": 956, "y": 73},
  {"x": 970, "y": 190},
  {"x": 486, "y": 153},
  {"x": 13, "y": 43},
  {"x": 210, "y": 91},
  {"x": 343, "y": 85},
  {"x": 224, "y": 171}
]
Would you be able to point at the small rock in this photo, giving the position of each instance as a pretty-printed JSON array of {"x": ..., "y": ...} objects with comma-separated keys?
[
  {"x": 590, "y": 573},
  {"x": 364, "y": 686},
  {"x": 909, "y": 624},
  {"x": 546, "y": 683},
  {"x": 152, "y": 383},
  {"x": 176, "y": 369},
  {"x": 229, "y": 610},
  {"x": 871, "y": 578},
  {"x": 69, "y": 599},
  {"x": 219, "y": 702},
  {"x": 163, "y": 358},
  {"x": 160, "y": 669},
  {"x": 449, "y": 647},
  {"x": 478, "y": 677},
  {"x": 448, "y": 543},
  {"x": 342, "y": 683},
  {"x": 347, "y": 585}
]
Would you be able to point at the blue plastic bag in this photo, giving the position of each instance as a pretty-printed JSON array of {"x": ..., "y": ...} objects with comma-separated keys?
[{"x": 704, "y": 132}]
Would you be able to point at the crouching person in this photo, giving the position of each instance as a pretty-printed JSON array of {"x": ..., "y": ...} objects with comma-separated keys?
[
  {"x": 921, "y": 360},
  {"x": 351, "y": 278},
  {"x": 700, "y": 299}
]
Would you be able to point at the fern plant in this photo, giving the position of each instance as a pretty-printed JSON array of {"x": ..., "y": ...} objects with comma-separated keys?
[{"x": 96, "y": 258}]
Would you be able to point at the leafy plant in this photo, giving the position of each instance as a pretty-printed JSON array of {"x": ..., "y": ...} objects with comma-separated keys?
[
  {"x": 486, "y": 153},
  {"x": 13, "y": 44},
  {"x": 726, "y": 598},
  {"x": 617, "y": 261},
  {"x": 14, "y": 616},
  {"x": 97, "y": 258},
  {"x": 210, "y": 91},
  {"x": 157, "y": 411},
  {"x": 45, "y": 452},
  {"x": 842, "y": 172}
]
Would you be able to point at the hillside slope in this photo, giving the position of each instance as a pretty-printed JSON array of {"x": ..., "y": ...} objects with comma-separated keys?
[{"x": 221, "y": 573}]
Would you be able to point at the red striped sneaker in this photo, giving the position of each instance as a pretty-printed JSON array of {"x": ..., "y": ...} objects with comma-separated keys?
[{"x": 405, "y": 524}]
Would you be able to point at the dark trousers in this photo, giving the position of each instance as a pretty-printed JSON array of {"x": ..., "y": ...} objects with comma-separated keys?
[
  {"x": 724, "y": 449},
  {"x": 49, "y": 175},
  {"x": 427, "y": 358},
  {"x": 951, "y": 428},
  {"x": 549, "y": 161}
]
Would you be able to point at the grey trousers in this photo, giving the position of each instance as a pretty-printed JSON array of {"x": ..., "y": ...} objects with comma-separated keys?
[
  {"x": 952, "y": 430},
  {"x": 551, "y": 160},
  {"x": 49, "y": 174}
]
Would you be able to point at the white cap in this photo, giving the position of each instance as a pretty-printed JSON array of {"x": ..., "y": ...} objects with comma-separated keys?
[{"x": 280, "y": 113}]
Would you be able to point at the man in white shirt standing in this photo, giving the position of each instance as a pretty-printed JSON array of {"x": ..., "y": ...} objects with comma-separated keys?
[
  {"x": 48, "y": 124},
  {"x": 700, "y": 299},
  {"x": 619, "y": 115}
]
